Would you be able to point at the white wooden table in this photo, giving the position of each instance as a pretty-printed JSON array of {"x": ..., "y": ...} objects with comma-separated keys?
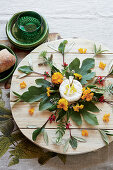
[{"x": 71, "y": 18}]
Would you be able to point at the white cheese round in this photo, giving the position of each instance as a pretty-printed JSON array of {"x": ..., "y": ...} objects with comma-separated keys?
[{"x": 71, "y": 89}]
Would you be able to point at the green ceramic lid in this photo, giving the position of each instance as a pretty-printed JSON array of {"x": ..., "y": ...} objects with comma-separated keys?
[
  {"x": 6, "y": 74},
  {"x": 11, "y": 31}
]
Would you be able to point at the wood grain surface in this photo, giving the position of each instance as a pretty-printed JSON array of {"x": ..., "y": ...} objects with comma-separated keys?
[
  {"x": 20, "y": 110},
  {"x": 88, "y": 19}
]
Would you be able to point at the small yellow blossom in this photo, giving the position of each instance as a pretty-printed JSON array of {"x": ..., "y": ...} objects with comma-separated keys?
[
  {"x": 84, "y": 133},
  {"x": 78, "y": 75},
  {"x": 57, "y": 78},
  {"x": 102, "y": 65},
  {"x": 87, "y": 95},
  {"x": 63, "y": 104},
  {"x": 77, "y": 107},
  {"x": 48, "y": 91},
  {"x": 23, "y": 85},
  {"x": 106, "y": 117},
  {"x": 31, "y": 111},
  {"x": 82, "y": 51}
]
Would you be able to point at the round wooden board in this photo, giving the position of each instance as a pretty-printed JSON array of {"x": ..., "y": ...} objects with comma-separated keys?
[{"x": 28, "y": 124}]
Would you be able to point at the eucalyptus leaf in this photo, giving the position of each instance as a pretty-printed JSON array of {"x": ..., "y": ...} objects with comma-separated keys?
[
  {"x": 25, "y": 69},
  {"x": 104, "y": 136},
  {"x": 73, "y": 142},
  {"x": 66, "y": 146},
  {"x": 45, "y": 136}
]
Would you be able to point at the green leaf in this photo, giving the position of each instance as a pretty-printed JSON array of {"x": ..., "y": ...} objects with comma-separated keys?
[
  {"x": 74, "y": 65},
  {"x": 91, "y": 86},
  {"x": 66, "y": 146},
  {"x": 61, "y": 47},
  {"x": 46, "y": 156},
  {"x": 73, "y": 142},
  {"x": 87, "y": 76},
  {"x": 61, "y": 114},
  {"x": 8, "y": 127},
  {"x": 34, "y": 94},
  {"x": 42, "y": 82},
  {"x": 53, "y": 107},
  {"x": 4, "y": 145},
  {"x": 89, "y": 118},
  {"x": 76, "y": 117},
  {"x": 13, "y": 161},
  {"x": 54, "y": 69},
  {"x": 104, "y": 136},
  {"x": 62, "y": 158},
  {"x": 45, "y": 136},
  {"x": 16, "y": 94},
  {"x": 108, "y": 133},
  {"x": 90, "y": 106},
  {"x": 45, "y": 104},
  {"x": 4, "y": 114},
  {"x": 80, "y": 139},
  {"x": 36, "y": 133},
  {"x": 87, "y": 64},
  {"x": 25, "y": 69}
]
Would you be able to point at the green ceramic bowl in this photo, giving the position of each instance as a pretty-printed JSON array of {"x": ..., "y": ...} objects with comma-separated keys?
[
  {"x": 12, "y": 32},
  {"x": 6, "y": 74}
]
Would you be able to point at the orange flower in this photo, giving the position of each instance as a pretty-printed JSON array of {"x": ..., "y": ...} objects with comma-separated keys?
[
  {"x": 31, "y": 111},
  {"x": 77, "y": 107},
  {"x": 48, "y": 91},
  {"x": 84, "y": 133},
  {"x": 78, "y": 75},
  {"x": 82, "y": 51},
  {"x": 57, "y": 78},
  {"x": 87, "y": 95},
  {"x": 102, "y": 65},
  {"x": 106, "y": 117},
  {"x": 63, "y": 104},
  {"x": 23, "y": 85}
]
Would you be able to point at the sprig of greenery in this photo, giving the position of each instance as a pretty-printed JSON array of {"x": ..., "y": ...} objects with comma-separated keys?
[
  {"x": 98, "y": 51},
  {"x": 61, "y": 128},
  {"x": 47, "y": 61}
]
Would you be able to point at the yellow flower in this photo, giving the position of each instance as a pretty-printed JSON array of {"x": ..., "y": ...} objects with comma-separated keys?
[
  {"x": 31, "y": 111},
  {"x": 87, "y": 95},
  {"x": 106, "y": 117},
  {"x": 77, "y": 107},
  {"x": 63, "y": 104},
  {"x": 78, "y": 75},
  {"x": 23, "y": 85},
  {"x": 84, "y": 133},
  {"x": 82, "y": 51},
  {"x": 48, "y": 91},
  {"x": 102, "y": 65},
  {"x": 57, "y": 78}
]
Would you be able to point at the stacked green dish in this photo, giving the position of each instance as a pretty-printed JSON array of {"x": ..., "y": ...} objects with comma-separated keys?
[
  {"x": 6, "y": 74},
  {"x": 19, "y": 38}
]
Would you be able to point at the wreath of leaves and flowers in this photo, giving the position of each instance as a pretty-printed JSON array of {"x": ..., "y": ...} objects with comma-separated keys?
[{"x": 48, "y": 94}]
